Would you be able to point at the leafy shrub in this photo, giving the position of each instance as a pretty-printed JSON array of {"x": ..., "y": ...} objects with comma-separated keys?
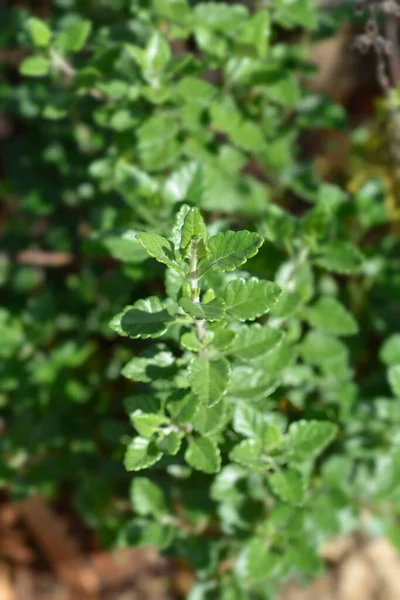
[{"x": 264, "y": 420}]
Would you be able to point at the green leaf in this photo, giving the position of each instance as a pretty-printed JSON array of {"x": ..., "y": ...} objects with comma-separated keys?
[
  {"x": 194, "y": 235},
  {"x": 248, "y": 453},
  {"x": 40, "y": 33},
  {"x": 74, "y": 37},
  {"x": 390, "y": 351},
  {"x": 125, "y": 247},
  {"x": 220, "y": 16},
  {"x": 147, "y": 498},
  {"x": 140, "y": 454},
  {"x": 170, "y": 444},
  {"x": 330, "y": 315},
  {"x": 156, "y": 56},
  {"x": 138, "y": 404},
  {"x": 307, "y": 439},
  {"x": 254, "y": 340},
  {"x": 256, "y": 561},
  {"x": 182, "y": 406},
  {"x": 229, "y": 250},
  {"x": 394, "y": 379},
  {"x": 209, "y": 379},
  {"x": 288, "y": 485},
  {"x": 191, "y": 342},
  {"x": 256, "y": 32},
  {"x": 147, "y": 424},
  {"x": 208, "y": 421},
  {"x": 322, "y": 349},
  {"x": 212, "y": 311},
  {"x": 203, "y": 455},
  {"x": 147, "y": 369},
  {"x": 157, "y": 534},
  {"x": 159, "y": 248},
  {"x": 247, "y": 300},
  {"x": 35, "y": 66},
  {"x": 146, "y": 318},
  {"x": 340, "y": 257},
  {"x": 223, "y": 337}
]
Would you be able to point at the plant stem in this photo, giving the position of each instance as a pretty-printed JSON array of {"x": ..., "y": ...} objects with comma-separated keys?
[{"x": 194, "y": 283}]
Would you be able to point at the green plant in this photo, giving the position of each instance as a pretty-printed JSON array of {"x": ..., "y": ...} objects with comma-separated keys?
[{"x": 264, "y": 419}]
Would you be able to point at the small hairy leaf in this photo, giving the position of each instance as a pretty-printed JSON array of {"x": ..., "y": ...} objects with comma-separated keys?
[
  {"x": 159, "y": 248},
  {"x": 254, "y": 340},
  {"x": 35, "y": 66},
  {"x": 390, "y": 351},
  {"x": 146, "y": 497},
  {"x": 140, "y": 454},
  {"x": 209, "y": 379},
  {"x": 257, "y": 560},
  {"x": 74, "y": 37},
  {"x": 229, "y": 250},
  {"x": 394, "y": 379},
  {"x": 307, "y": 439},
  {"x": 248, "y": 454},
  {"x": 340, "y": 257},
  {"x": 146, "y": 424},
  {"x": 330, "y": 315},
  {"x": 147, "y": 369},
  {"x": 212, "y": 311},
  {"x": 40, "y": 33},
  {"x": 170, "y": 444},
  {"x": 144, "y": 319},
  {"x": 203, "y": 455},
  {"x": 288, "y": 485},
  {"x": 248, "y": 299},
  {"x": 194, "y": 229}
]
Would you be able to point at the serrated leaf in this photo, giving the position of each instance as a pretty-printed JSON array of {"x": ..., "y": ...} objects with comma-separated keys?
[
  {"x": 145, "y": 319},
  {"x": 159, "y": 248},
  {"x": 340, "y": 257},
  {"x": 394, "y": 379},
  {"x": 147, "y": 498},
  {"x": 212, "y": 311},
  {"x": 170, "y": 444},
  {"x": 147, "y": 369},
  {"x": 203, "y": 455},
  {"x": 330, "y": 315},
  {"x": 40, "y": 32},
  {"x": 125, "y": 247},
  {"x": 209, "y": 379},
  {"x": 156, "y": 56},
  {"x": 390, "y": 351},
  {"x": 322, "y": 349},
  {"x": 256, "y": 560},
  {"x": 74, "y": 37},
  {"x": 288, "y": 485},
  {"x": 254, "y": 340},
  {"x": 307, "y": 439},
  {"x": 140, "y": 454},
  {"x": 182, "y": 406},
  {"x": 157, "y": 534},
  {"x": 194, "y": 228},
  {"x": 146, "y": 424},
  {"x": 191, "y": 342},
  {"x": 223, "y": 338},
  {"x": 248, "y": 453},
  {"x": 229, "y": 250},
  {"x": 220, "y": 16},
  {"x": 247, "y": 300},
  {"x": 34, "y": 66},
  {"x": 208, "y": 421},
  {"x": 135, "y": 405}
]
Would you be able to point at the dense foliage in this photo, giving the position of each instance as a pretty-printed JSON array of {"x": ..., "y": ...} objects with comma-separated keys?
[{"x": 160, "y": 219}]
